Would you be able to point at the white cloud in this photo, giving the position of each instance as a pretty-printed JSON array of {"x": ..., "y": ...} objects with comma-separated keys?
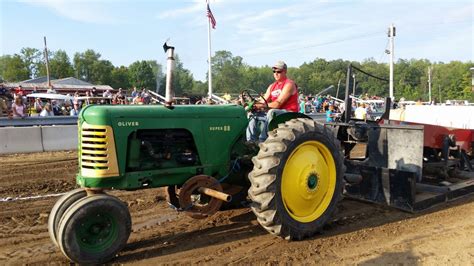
[
  {"x": 79, "y": 10},
  {"x": 300, "y": 25},
  {"x": 461, "y": 13},
  {"x": 454, "y": 45},
  {"x": 198, "y": 6}
]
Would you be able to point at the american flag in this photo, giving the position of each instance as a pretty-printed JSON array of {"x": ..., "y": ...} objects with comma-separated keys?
[{"x": 211, "y": 17}]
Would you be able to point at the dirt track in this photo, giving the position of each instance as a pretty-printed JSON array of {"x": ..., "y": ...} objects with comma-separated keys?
[{"x": 360, "y": 234}]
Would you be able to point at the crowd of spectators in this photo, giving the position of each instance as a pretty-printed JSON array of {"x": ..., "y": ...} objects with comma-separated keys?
[
  {"x": 14, "y": 103},
  {"x": 365, "y": 108}
]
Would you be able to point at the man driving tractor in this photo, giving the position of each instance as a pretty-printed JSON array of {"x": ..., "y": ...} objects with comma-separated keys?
[{"x": 281, "y": 96}]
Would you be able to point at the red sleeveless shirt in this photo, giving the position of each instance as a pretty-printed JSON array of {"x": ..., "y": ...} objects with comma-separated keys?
[{"x": 291, "y": 103}]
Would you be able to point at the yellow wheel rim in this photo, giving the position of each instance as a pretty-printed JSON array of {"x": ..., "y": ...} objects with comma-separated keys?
[{"x": 308, "y": 181}]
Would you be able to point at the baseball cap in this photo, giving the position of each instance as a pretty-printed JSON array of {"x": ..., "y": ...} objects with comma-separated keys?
[{"x": 279, "y": 65}]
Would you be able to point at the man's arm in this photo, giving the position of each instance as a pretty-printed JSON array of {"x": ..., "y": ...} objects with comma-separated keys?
[
  {"x": 267, "y": 93},
  {"x": 261, "y": 104}
]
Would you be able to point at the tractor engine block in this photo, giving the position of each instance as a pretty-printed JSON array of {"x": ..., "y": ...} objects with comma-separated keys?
[{"x": 150, "y": 149}]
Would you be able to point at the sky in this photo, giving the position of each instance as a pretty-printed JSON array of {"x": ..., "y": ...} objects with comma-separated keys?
[{"x": 261, "y": 32}]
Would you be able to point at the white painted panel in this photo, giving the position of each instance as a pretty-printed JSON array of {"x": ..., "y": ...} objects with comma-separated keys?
[{"x": 20, "y": 139}]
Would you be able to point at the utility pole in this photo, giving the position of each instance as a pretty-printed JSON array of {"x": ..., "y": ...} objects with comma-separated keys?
[
  {"x": 429, "y": 83},
  {"x": 47, "y": 62},
  {"x": 391, "y": 35}
]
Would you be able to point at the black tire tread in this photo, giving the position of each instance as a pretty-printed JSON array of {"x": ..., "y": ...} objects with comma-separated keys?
[
  {"x": 73, "y": 252},
  {"x": 59, "y": 208},
  {"x": 263, "y": 177}
]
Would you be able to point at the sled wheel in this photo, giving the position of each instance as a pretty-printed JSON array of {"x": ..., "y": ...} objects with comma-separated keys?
[
  {"x": 59, "y": 208},
  {"x": 94, "y": 229},
  {"x": 297, "y": 179}
]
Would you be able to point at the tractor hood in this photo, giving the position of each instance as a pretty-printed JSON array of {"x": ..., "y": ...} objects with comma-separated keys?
[{"x": 104, "y": 114}]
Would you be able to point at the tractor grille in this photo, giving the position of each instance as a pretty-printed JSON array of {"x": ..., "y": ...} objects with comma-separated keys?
[{"x": 98, "y": 156}]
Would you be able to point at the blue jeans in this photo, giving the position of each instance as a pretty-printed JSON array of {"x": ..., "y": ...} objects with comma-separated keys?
[{"x": 258, "y": 124}]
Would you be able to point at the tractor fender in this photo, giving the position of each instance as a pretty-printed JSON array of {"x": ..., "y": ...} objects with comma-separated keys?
[{"x": 282, "y": 118}]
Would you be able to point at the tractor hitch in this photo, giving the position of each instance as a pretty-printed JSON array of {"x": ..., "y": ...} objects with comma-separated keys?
[{"x": 215, "y": 194}]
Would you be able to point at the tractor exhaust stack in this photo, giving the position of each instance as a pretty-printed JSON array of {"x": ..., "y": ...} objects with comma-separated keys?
[{"x": 169, "y": 50}]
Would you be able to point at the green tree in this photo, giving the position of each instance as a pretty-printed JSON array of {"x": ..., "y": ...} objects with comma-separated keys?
[
  {"x": 371, "y": 85},
  {"x": 140, "y": 75},
  {"x": 183, "y": 79},
  {"x": 32, "y": 58},
  {"x": 256, "y": 78},
  {"x": 13, "y": 69},
  {"x": 84, "y": 64},
  {"x": 230, "y": 74},
  {"x": 60, "y": 65},
  {"x": 320, "y": 74},
  {"x": 405, "y": 81},
  {"x": 452, "y": 80},
  {"x": 336, "y": 72},
  {"x": 199, "y": 88},
  {"x": 101, "y": 72},
  {"x": 444, "y": 81},
  {"x": 410, "y": 79},
  {"x": 466, "y": 85},
  {"x": 227, "y": 72},
  {"x": 120, "y": 78}
]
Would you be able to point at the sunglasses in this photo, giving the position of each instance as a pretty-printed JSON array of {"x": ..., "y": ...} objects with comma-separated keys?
[{"x": 277, "y": 71}]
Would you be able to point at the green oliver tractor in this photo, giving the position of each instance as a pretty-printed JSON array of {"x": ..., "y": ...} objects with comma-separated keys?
[
  {"x": 199, "y": 153},
  {"x": 294, "y": 179}
]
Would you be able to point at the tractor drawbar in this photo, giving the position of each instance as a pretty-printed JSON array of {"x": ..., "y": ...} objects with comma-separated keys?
[{"x": 215, "y": 194}]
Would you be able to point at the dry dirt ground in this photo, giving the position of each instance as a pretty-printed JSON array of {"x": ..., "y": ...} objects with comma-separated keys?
[{"x": 360, "y": 234}]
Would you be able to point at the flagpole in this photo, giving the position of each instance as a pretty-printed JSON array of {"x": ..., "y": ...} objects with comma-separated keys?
[{"x": 209, "y": 55}]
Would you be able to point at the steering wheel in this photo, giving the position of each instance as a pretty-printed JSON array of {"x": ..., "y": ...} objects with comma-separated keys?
[{"x": 249, "y": 101}]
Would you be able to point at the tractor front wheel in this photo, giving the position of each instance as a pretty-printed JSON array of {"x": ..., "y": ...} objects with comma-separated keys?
[
  {"x": 60, "y": 207},
  {"x": 94, "y": 229},
  {"x": 297, "y": 179}
]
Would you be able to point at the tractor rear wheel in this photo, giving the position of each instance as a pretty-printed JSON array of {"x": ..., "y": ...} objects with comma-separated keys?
[
  {"x": 94, "y": 229},
  {"x": 297, "y": 179},
  {"x": 59, "y": 208}
]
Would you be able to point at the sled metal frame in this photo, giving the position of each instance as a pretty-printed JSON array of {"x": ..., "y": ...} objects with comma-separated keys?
[{"x": 390, "y": 173}]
